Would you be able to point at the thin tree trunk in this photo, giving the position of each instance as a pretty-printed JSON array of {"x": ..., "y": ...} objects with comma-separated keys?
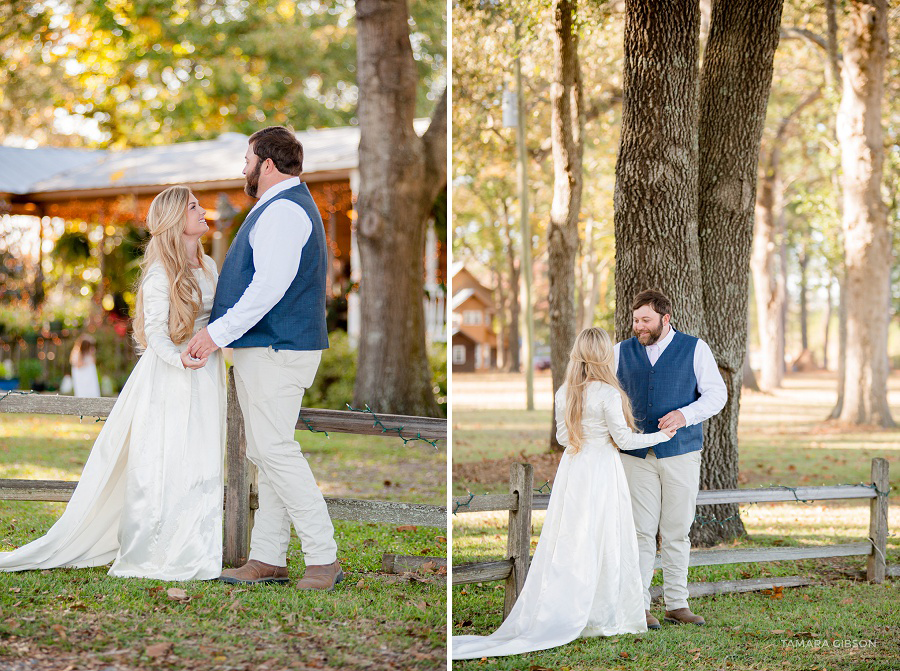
[
  {"x": 515, "y": 349},
  {"x": 766, "y": 262},
  {"x": 828, "y": 314},
  {"x": 842, "y": 344},
  {"x": 867, "y": 244},
  {"x": 567, "y": 129},
  {"x": 657, "y": 166},
  {"x": 400, "y": 176},
  {"x": 734, "y": 93},
  {"x": 803, "y": 261}
]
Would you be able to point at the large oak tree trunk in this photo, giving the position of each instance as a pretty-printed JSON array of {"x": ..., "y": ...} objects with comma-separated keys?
[
  {"x": 566, "y": 132},
  {"x": 401, "y": 174},
  {"x": 734, "y": 92},
  {"x": 656, "y": 169},
  {"x": 867, "y": 245}
]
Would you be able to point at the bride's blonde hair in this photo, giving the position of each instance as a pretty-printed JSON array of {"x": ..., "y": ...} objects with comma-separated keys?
[
  {"x": 166, "y": 222},
  {"x": 592, "y": 358}
]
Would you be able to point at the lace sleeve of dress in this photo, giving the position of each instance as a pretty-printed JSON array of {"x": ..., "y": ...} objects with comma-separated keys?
[
  {"x": 621, "y": 433},
  {"x": 156, "y": 318},
  {"x": 562, "y": 432}
]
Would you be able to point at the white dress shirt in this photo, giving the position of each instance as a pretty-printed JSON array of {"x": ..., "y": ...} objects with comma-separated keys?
[
  {"x": 710, "y": 384},
  {"x": 277, "y": 240}
]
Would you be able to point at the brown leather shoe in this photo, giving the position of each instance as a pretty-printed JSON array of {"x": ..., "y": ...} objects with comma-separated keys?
[
  {"x": 255, "y": 572},
  {"x": 683, "y": 616},
  {"x": 323, "y": 577},
  {"x": 652, "y": 622}
]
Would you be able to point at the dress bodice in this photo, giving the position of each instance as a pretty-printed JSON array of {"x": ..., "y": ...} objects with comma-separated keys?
[
  {"x": 155, "y": 286},
  {"x": 603, "y": 418}
]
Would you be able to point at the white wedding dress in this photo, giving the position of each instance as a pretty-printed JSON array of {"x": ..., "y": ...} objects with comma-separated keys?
[
  {"x": 584, "y": 579},
  {"x": 150, "y": 498}
]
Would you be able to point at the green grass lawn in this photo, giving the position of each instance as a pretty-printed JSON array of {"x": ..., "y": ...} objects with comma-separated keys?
[
  {"x": 83, "y": 619},
  {"x": 782, "y": 441}
]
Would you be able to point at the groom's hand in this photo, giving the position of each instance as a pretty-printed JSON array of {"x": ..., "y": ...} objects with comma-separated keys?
[
  {"x": 191, "y": 364},
  {"x": 674, "y": 420},
  {"x": 201, "y": 345}
]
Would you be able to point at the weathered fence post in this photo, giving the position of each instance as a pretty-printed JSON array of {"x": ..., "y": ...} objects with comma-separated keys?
[
  {"x": 241, "y": 482},
  {"x": 876, "y": 564},
  {"x": 518, "y": 545}
]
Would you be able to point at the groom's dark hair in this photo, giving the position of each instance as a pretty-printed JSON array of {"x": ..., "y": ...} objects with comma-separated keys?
[
  {"x": 656, "y": 299},
  {"x": 282, "y": 146}
]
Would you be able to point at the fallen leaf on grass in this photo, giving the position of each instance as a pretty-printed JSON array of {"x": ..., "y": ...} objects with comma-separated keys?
[
  {"x": 420, "y": 604},
  {"x": 12, "y": 623},
  {"x": 428, "y": 567},
  {"x": 440, "y": 539},
  {"x": 60, "y": 631},
  {"x": 178, "y": 594},
  {"x": 159, "y": 649},
  {"x": 847, "y": 601},
  {"x": 623, "y": 655},
  {"x": 408, "y": 527}
]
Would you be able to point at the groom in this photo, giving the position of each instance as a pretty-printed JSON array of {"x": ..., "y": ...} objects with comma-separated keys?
[
  {"x": 270, "y": 307},
  {"x": 672, "y": 381}
]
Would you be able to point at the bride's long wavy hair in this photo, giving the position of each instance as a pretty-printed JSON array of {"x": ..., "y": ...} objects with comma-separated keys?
[
  {"x": 592, "y": 358},
  {"x": 166, "y": 221}
]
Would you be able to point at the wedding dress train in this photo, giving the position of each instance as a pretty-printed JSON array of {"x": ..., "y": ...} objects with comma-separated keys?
[
  {"x": 150, "y": 498},
  {"x": 584, "y": 579}
]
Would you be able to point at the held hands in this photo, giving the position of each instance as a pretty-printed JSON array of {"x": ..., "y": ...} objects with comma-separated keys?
[
  {"x": 673, "y": 420},
  {"x": 669, "y": 432},
  {"x": 190, "y": 363},
  {"x": 201, "y": 345}
]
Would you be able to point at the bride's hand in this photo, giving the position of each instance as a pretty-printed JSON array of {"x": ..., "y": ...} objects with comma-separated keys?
[
  {"x": 191, "y": 363},
  {"x": 670, "y": 431}
]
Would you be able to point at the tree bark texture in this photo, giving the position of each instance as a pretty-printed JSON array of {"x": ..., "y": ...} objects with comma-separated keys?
[
  {"x": 657, "y": 169},
  {"x": 400, "y": 176},
  {"x": 867, "y": 240},
  {"x": 734, "y": 93},
  {"x": 566, "y": 130}
]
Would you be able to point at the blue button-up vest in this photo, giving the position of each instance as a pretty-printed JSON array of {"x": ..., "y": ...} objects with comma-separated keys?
[
  {"x": 297, "y": 322},
  {"x": 657, "y": 390}
]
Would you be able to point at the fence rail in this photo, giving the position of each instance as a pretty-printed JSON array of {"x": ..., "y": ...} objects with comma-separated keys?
[
  {"x": 241, "y": 496},
  {"x": 522, "y": 500}
]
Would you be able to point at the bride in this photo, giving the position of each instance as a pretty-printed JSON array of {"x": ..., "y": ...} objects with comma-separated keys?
[
  {"x": 584, "y": 579},
  {"x": 150, "y": 497}
]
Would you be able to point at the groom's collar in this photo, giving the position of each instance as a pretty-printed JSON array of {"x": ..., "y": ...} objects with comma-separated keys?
[
  {"x": 275, "y": 189},
  {"x": 662, "y": 344}
]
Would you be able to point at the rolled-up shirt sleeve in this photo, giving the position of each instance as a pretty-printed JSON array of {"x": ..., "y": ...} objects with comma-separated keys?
[{"x": 277, "y": 240}]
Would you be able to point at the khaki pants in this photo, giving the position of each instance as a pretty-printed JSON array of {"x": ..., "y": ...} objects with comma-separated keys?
[
  {"x": 270, "y": 386},
  {"x": 664, "y": 497}
]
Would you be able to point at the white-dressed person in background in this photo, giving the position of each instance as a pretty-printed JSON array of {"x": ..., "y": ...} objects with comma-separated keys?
[
  {"x": 673, "y": 382},
  {"x": 270, "y": 308},
  {"x": 83, "y": 359}
]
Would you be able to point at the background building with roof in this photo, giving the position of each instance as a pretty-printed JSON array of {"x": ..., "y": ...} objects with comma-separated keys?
[
  {"x": 474, "y": 343},
  {"x": 112, "y": 189}
]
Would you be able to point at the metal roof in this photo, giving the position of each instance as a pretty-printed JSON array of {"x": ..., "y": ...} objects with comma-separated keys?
[
  {"x": 21, "y": 168},
  {"x": 48, "y": 170}
]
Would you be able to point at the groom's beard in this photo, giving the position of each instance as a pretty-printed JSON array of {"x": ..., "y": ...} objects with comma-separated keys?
[
  {"x": 252, "y": 185},
  {"x": 650, "y": 336}
]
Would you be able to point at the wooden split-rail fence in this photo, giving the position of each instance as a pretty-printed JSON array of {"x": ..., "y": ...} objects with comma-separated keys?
[
  {"x": 522, "y": 500},
  {"x": 241, "y": 497}
]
